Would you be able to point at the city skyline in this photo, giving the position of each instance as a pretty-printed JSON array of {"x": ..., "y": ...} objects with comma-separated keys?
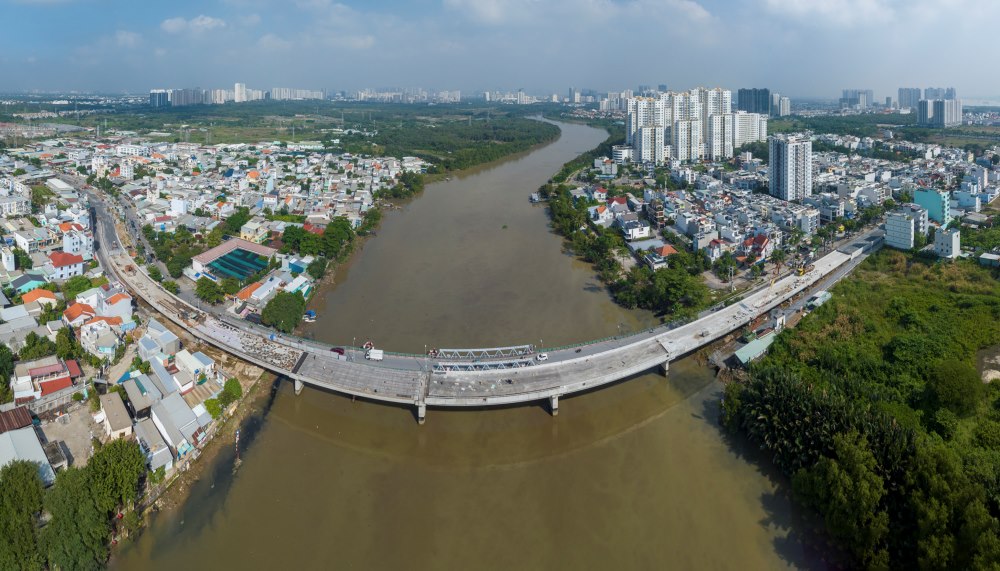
[{"x": 471, "y": 45}]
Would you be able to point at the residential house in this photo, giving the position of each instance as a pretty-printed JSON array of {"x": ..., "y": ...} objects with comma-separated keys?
[
  {"x": 41, "y": 377},
  {"x": 63, "y": 266},
  {"x": 99, "y": 336},
  {"x": 151, "y": 442},
  {"x": 177, "y": 424},
  {"x": 158, "y": 343},
  {"x": 27, "y": 282},
  {"x": 77, "y": 314},
  {"x": 117, "y": 423}
]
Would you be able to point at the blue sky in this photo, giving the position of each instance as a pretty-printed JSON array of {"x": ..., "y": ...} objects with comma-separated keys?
[{"x": 798, "y": 47}]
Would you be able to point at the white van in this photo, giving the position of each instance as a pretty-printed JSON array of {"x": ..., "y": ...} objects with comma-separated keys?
[{"x": 375, "y": 355}]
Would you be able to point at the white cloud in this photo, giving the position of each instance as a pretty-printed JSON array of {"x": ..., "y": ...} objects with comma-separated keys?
[
  {"x": 201, "y": 23},
  {"x": 272, "y": 42},
  {"x": 845, "y": 13},
  {"x": 250, "y": 20},
  {"x": 126, "y": 39}
]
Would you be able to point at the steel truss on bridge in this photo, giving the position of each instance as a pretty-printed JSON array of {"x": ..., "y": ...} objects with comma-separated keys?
[
  {"x": 482, "y": 365},
  {"x": 489, "y": 353}
]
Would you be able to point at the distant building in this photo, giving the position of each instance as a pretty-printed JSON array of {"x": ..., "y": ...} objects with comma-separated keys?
[
  {"x": 790, "y": 168},
  {"x": 159, "y": 98},
  {"x": 754, "y": 100},
  {"x": 908, "y": 97},
  {"x": 939, "y": 113}
]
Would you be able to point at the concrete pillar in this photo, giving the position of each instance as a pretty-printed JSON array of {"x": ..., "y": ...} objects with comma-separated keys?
[
  {"x": 421, "y": 413},
  {"x": 665, "y": 367},
  {"x": 298, "y": 387},
  {"x": 554, "y": 405}
]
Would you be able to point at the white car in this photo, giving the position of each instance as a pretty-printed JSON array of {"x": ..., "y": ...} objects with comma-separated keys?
[{"x": 543, "y": 357}]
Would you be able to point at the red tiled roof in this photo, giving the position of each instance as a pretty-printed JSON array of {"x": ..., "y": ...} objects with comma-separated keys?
[
  {"x": 109, "y": 320},
  {"x": 36, "y": 294},
  {"x": 118, "y": 297},
  {"x": 62, "y": 259},
  {"x": 666, "y": 250},
  {"x": 76, "y": 310},
  {"x": 245, "y": 293},
  {"x": 49, "y": 387},
  {"x": 74, "y": 369}
]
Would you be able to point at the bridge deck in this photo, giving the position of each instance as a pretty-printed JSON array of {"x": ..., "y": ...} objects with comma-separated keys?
[{"x": 407, "y": 379}]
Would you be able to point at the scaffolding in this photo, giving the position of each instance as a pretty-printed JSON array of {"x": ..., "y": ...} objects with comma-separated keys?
[
  {"x": 483, "y": 365},
  {"x": 489, "y": 353}
]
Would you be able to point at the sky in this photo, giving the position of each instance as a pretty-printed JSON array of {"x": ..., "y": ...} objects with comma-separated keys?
[{"x": 804, "y": 48}]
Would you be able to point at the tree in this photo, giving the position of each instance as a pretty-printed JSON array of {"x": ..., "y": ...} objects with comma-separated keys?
[
  {"x": 66, "y": 346},
  {"x": 154, "y": 273},
  {"x": 284, "y": 311},
  {"x": 848, "y": 491},
  {"x": 171, "y": 286},
  {"x": 76, "y": 536},
  {"x": 213, "y": 407},
  {"x": 230, "y": 286},
  {"x": 6, "y": 370},
  {"x": 208, "y": 291},
  {"x": 36, "y": 346},
  {"x": 22, "y": 259},
  {"x": 954, "y": 385},
  {"x": 231, "y": 392},
  {"x": 176, "y": 265},
  {"x": 317, "y": 268},
  {"x": 778, "y": 257},
  {"x": 116, "y": 470},
  {"x": 75, "y": 285},
  {"x": 21, "y": 494}
]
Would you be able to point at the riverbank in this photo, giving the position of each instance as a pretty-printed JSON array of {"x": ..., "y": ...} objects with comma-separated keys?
[{"x": 174, "y": 492}]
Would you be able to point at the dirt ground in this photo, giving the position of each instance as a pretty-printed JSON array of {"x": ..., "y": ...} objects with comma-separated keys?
[{"x": 75, "y": 429}]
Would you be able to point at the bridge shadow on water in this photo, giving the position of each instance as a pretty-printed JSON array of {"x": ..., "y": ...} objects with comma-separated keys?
[{"x": 801, "y": 540}]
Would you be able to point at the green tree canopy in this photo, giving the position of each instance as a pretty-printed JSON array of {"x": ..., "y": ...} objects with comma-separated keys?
[
  {"x": 284, "y": 311},
  {"x": 21, "y": 494},
  {"x": 954, "y": 385},
  {"x": 209, "y": 291},
  {"x": 76, "y": 537}
]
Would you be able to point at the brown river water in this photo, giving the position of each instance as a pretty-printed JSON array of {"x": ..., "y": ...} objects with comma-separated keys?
[{"x": 637, "y": 475}]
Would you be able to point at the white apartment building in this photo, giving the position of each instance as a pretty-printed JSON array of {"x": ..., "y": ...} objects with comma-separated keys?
[
  {"x": 240, "y": 93},
  {"x": 132, "y": 151},
  {"x": 900, "y": 231},
  {"x": 948, "y": 243},
  {"x": 719, "y": 138},
  {"x": 648, "y": 145},
  {"x": 686, "y": 140},
  {"x": 790, "y": 167},
  {"x": 80, "y": 243}
]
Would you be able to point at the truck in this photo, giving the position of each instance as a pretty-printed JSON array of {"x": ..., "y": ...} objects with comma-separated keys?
[{"x": 375, "y": 355}]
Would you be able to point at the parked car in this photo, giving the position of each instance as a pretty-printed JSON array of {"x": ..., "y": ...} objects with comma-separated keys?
[
  {"x": 543, "y": 357},
  {"x": 337, "y": 350}
]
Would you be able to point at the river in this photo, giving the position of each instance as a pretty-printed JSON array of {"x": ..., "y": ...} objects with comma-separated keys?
[{"x": 636, "y": 475}]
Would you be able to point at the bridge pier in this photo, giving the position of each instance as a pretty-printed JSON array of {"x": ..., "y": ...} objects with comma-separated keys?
[
  {"x": 554, "y": 405},
  {"x": 665, "y": 368},
  {"x": 298, "y": 387},
  {"x": 421, "y": 413}
]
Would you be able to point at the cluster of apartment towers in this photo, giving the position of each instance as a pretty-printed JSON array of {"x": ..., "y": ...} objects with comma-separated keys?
[{"x": 693, "y": 125}]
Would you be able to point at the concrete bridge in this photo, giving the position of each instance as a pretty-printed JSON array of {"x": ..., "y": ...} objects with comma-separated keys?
[{"x": 421, "y": 381}]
